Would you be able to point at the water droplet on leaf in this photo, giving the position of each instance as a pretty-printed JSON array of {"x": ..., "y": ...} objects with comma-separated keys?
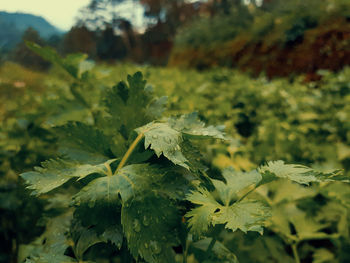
[
  {"x": 155, "y": 247},
  {"x": 137, "y": 226},
  {"x": 145, "y": 221}
]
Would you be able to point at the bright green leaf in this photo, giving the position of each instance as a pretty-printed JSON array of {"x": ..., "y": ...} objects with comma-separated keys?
[
  {"x": 298, "y": 173},
  {"x": 164, "y": 140},
  {"x": 218, "y": 207}
]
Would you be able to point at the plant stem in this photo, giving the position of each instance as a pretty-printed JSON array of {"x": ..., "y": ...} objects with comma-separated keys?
[
  {"x": 247, "y": 193},
  {"x": 109, "y": 170},
  {"x": 185, "y": 252},
  {"x": 129, "y": 151},
  {"x": 210, "y": 247},
  {"x": 295, "y": 253},
  {"x": 184, "y": 256}
]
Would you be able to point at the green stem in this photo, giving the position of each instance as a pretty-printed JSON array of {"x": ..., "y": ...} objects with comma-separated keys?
[
  {"x": 129, "y": 151},
  {"x": 185, "y": 252},
  {"x": 184, "y": 257},
  {"x": 295, "y": 253},
  {"x": 109, "y": 170},
  {"x": 210, "y": 247},
  {"x": 247, "y": 193}
]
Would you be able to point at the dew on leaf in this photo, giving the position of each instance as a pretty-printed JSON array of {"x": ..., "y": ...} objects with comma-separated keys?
[
  {"x": 145, "y": 221},
  {"x": 155, "y": 247},
  {"x": 137, "y": 226}
]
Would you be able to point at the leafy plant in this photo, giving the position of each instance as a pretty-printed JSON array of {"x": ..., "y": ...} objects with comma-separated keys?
[{"x": 132, "y": 185}]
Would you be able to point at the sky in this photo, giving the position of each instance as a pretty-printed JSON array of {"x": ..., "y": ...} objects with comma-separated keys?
[{"x": 60, "y": 13}]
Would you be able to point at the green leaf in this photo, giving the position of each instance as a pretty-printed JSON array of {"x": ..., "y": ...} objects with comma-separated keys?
[
  {"x": 164, "y": 140},
  {"x": 167, "y": 138},
  {"x": 297, "y": 173},
  {"x": 157, "y": 107},
  {"x": 218, "y": 207},
  {"x": 220, "y": 253},
  {"x": 104, "y": 219},
  {"x": 107, "y": 189},
  {"x": 323, "y": 255},
  {"x": 235, "y": 182},
  {"x": 55, "y": 173},
  {"x": 245, "y": 215},
  {"x": 131, "y": 105},
  {"x": 52, "y": 244},
  {"x": 45, "y": 257},
  {"x": 194, "y": 156},
  {"x": 130, "y": 181},
  {"x": 201, "y": 217},
  {"x": 73, "y": 64},
  {"x": 114, "y": 234},
  {"x": 190, "y": 125},
  {"x": 85, "y": 143},
  {"x": 87, "y": 239},
  {"x": 151, "y": 226},
  {"x": 305, "y": 226}
]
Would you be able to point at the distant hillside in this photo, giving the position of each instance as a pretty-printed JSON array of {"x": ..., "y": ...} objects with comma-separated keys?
[{"x": 14, "y": 24}]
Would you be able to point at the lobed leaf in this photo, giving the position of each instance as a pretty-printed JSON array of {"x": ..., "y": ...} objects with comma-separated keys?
[
  {"x": 235, "y": 182},
  {"x": 55, "y": 173},
  {"x": 297, "y": 173},
  {"x": 52, "y": 244},
  {"x": 190, "y": 125},
  {"x": 132, "y": 105},
  {"x": 164, "y": 140},
  {"x": 168, "y": 138},
  {"x": 130, "y": 181},
  {"x": 218, "y": 207},
  {"x": 84, "y": 143}
]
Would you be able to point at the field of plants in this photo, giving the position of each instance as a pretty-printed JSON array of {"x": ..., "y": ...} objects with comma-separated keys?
[{"x": 128, "y": 163}]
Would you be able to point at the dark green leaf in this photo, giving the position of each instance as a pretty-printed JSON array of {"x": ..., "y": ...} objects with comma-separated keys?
[{"x": 150, "y": 225}]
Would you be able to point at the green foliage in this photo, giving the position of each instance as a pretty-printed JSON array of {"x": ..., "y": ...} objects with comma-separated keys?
[
  {"x": 227, "y": 208},
  {"x": 122, "y": 183},
  {"x": 297, "y": 173},
  {"x": 151, "y": 194}
]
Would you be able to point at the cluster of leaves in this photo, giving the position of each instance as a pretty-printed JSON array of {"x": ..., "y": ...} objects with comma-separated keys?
[
  {"x": 295, "y": 122},
  {"x": 280, "y": 119},
  {"x": 131, "y": 185}
]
